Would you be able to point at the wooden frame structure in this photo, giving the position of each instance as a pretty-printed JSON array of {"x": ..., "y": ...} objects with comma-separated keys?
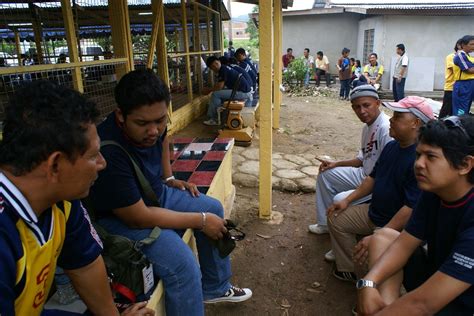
[{"x": 184, "y": 15}]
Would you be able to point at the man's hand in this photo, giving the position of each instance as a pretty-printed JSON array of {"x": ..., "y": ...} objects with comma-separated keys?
[
  {"x": 361, "y": 250},
  {"x": 399, "y": 80},
  {"x": 337, "y": 208},
  {"x": 183, "y": 185},
  {"x": 215, "y": 226},
  {"x": 369, "y": 301},
  {"x": 326, "y": 164},
  {"x": 138, "y": 309}
]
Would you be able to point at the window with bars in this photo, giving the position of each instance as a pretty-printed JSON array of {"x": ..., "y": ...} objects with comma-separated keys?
[{"x": 368, "y": 44}]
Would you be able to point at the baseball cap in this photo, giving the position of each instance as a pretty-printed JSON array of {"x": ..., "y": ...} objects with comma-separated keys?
[
  {"x": 418, "y": 106},
  {"x": 365, "y": 90}
]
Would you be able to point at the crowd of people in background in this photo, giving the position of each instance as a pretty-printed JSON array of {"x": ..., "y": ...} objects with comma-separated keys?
[{"x": 401, "y": 212}]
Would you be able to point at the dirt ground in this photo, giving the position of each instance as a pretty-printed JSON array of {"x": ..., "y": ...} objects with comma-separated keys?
[{"x": 282, "y": 263}]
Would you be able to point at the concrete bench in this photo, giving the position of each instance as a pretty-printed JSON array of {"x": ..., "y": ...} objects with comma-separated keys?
[{"x": 212, "y": 175}]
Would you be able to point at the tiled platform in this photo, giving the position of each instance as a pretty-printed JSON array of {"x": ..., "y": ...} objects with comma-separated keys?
[{"x": 197, "y": 159}]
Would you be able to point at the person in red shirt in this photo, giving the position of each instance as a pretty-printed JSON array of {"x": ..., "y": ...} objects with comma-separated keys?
[{"x": 288, "y": 58}]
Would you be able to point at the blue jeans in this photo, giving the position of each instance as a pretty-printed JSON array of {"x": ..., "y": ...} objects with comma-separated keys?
[
  {"x": 175, "y": 263},
  {"x": 218, "y": 97},
  {"x": 307, "y": 77},
  {"x": 345, "y": 88},
  {"x": 398, "y": 89}
]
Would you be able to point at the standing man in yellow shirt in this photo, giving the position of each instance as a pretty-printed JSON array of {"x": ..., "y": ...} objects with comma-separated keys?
[{"x": 449, "y": 80}]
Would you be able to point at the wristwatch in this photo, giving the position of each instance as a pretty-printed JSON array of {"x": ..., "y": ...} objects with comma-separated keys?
[{"x": 362, "y": 283}]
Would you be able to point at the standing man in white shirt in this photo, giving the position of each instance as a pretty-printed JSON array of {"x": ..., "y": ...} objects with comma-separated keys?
[
  {"x": 309, "y": 63},
  {"x": 400, "y": 73}
]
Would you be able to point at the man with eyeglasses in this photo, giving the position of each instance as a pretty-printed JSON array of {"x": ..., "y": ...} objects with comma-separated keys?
[{"x": 442, "y": 221}]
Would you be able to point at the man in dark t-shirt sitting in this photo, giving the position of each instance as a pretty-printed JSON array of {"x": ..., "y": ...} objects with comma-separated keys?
[
  {"x": 139, "y": 126},
  {"x": 392, "y": 185},
  {"x": 443, "y": 220},
  {"x": 228, "y": 79}
]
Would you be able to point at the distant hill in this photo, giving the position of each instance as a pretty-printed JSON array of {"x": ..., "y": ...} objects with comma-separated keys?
[{"x": 241, "y": 18}]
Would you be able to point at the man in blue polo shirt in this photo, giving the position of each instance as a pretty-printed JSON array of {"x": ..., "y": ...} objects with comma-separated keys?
[
  {"x": 392, "y": 184},
  {"x": 443, "y": 219},
  {"x": 139, "y": 126},
  {"x": 228, "y": 80},
  {"x": 50, "y": 156},
  {"x": 245, "y": 63}
]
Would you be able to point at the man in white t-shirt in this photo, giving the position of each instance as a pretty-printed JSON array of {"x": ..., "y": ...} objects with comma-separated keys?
[
  {"x": 400, "y": 73},
  {"x": 322, "y": 68},
  {"x": 337, "y": 179},
  {"x": 309, "y": 63}
]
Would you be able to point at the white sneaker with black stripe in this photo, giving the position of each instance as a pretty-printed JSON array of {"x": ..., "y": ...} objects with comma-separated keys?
[{"x": 233, "y": 295}]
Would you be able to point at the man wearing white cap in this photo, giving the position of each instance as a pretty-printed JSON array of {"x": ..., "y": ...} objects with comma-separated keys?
[
  {"x": 337, "y": 179},
  {"x": 392, "y": 184}
]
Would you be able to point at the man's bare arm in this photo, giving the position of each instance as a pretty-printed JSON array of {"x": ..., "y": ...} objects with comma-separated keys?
[
  {"x": 139, "y": 215},
  {"x": 93, "y": 287},
  {"x": 400, "y": 219},
  {"x": 437, "y": 292}
]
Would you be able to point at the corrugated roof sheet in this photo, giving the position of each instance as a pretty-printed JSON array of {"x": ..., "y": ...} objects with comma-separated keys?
[{"x": 406, "y": 6}]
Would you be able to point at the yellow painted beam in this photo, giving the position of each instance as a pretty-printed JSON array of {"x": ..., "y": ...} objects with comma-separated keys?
[
  {"x": 209, "y": 41},
  {"x": 121, "y": 35},
  {"x": 266, "y": 61},
  {"x": 157, "y": 7},
  {"x": 37, "y": 30},
  {"x": 277, "y": 23},
  {"x": 71, "y": 43},
  {"x": 197, "y": 47},
  {"x": 48, "y": 67},
  {"x": 184, "y": 23},
  {"x": 162, "y": 58},
  {"x": 18, "y": 46}
]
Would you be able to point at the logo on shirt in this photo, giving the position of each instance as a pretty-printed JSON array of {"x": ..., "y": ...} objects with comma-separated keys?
[
  {"x": 463, "y": 260},
  {"x": 41, "y": 278}
]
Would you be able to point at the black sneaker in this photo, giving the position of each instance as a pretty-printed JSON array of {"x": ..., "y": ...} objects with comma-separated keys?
[
  {"x": 345, "y": 276},
  {"x": 233, "y": 295}
]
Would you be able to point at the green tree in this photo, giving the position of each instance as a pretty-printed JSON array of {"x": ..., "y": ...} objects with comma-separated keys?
[{"x": 252, "y": 30}]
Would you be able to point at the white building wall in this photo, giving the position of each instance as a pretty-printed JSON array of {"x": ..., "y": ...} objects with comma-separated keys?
[
  {"x": 329, "y": 33},
  {"x": 426, "y": 38}
]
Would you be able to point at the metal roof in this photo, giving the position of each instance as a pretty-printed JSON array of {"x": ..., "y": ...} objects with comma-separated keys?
[{"x": 405, "y": 5}]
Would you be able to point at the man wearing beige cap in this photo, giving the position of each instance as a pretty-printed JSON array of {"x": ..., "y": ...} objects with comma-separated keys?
[{"x": 392, "y": 184}]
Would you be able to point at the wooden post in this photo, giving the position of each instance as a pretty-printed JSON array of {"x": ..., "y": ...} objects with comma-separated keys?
[
  {"x": 37, "y": 30},
  {"x": 121, "y": 35},
  {"x": 277, "y": 23},
  {"x": 157, "y": 7},
  {"x": 197, "y": 47},
  {"x": 184, "y": 22},
  {"x": 71, "y": 44},
  {"x": 210, "y": 44},
  {"x": 18, "y": 46},
  {"x": 266, "y": 60}
]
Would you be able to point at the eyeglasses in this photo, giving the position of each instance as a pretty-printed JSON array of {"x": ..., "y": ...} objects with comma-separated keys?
[{"x": 453, "y": 122}]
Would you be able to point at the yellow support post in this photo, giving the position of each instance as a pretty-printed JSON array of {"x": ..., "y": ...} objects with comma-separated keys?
[
  {"x": 157, "y": 7},
  {"x": 266, "y": 60},
  {"x": 184, "y": 23},
  {"x": 197, "y": 47},
  {"x": 71, "y": 43},
  {"x": 37, "y": 31},
  {"x": 278, "y": 64},
  {"x": 209, "y": 41},
  {"x": 121, "y": 35},
  {"x": 18, "y": 46}
]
